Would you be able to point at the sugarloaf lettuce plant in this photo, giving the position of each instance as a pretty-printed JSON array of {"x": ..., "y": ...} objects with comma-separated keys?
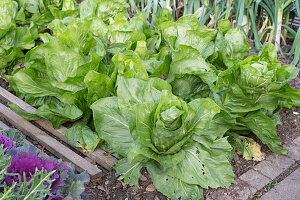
[
  {"x": 153, "y": 128},
  {"x": 231, "y": 46},
  {"x": 43, "y": 12},
  {"x": 78, "y": 75},
  {"x": 255, "y": 88},
  {"x": 259, "y": 80},
  {"x": 13, "y": 39},
  {"x": 23, "y": 22}
]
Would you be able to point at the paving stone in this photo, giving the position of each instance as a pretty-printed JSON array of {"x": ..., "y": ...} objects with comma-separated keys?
[
  {"x": 288, "y": 189},
  {"x": 255, "y": 179},
  {"x": 297, "y": 141},
  {"x": 240, "y": 190},
  {"x": 294, "y": 151},
  {"x": 262, "y": 174},
  {"x": 274, "y": 165}
]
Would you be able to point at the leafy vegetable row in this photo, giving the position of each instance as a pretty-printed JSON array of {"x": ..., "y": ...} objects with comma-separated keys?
[{"x": 174, "y": 97}]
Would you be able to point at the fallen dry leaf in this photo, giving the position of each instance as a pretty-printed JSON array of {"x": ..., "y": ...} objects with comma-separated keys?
[{"x": 96, "y": 180}]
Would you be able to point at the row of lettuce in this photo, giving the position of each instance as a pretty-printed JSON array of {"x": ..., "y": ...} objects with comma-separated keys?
[
  {"x": 174, "y": 97},
  {"x": 25, "y": 174}
]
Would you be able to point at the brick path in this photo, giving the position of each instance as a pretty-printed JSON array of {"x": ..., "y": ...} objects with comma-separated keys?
[
  {"x": 288, "y": 189},
  {"x": 276, "y": 178}
]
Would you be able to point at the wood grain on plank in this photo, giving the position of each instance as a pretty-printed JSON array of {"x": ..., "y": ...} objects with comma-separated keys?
[
  {"x": 99, "y": 156},
  {"x": 3, "y": 126},
  {"x": 48, "y": 142}
]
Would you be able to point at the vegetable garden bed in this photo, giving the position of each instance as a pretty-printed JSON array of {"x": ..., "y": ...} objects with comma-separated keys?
[
  {"x": 115, "y": 189},
  {"x": 176, "y": 98}
]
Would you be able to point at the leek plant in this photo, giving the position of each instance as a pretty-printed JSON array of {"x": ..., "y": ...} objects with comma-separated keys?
[
  {"x": 296, "y": 45},
  {"x": 260, "y": 20}
]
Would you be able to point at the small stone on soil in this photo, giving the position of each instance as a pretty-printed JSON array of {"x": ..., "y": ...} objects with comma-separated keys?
[
  {"x": 150, "y": 188},
  {"x": 100, "y": 187},
  {"x": 143, "y": 178}
]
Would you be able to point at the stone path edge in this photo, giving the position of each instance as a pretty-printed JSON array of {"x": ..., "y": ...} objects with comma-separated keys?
[{"x": 260, "y": 175}]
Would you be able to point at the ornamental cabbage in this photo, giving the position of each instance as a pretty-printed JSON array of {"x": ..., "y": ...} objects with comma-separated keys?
[
  {"x": 23, "y": 172},
  {"x": 23, "y": 169},
  {"x": 27, "y": 163},
  {"x": 6, "y": 142}
]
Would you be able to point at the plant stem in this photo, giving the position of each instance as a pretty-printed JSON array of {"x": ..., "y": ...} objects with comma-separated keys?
[
  {"x": 286, "y": 22},
  {"x": 279, "y": 24}
]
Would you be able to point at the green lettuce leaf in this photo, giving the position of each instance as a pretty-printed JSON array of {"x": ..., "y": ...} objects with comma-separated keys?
[
  {"x": 104, "y": 9},
  {"x": 190, "y": 75},
  {"x": 204, "y": 165},
  {"x": 99, "y": 86},
  {"x": 80, "y": 135},
  {"x": 131, "y": 173},
  {"x": 264, "y": 128},
  {"x": 173, "y": 187},
  {"x": 8, "y": 11},
  {"x": 56, "y": 112},
  {"x": 111, "y": 125}
]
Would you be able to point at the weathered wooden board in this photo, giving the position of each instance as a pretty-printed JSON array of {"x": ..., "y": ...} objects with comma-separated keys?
[
  {"x": 48, "y": 142},
  {"x": 98, "y": 156}
]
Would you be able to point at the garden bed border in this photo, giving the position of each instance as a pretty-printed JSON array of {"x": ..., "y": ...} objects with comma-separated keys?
[{"x": 98, "y": 156}]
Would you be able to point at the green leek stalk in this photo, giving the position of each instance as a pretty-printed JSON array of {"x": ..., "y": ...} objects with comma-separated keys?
[{"x": 280, "y": 5}]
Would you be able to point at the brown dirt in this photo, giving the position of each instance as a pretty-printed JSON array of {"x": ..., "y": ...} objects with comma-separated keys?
[
  {"x": 4, "y": 83},
  {"x": 109, "y": 188}
]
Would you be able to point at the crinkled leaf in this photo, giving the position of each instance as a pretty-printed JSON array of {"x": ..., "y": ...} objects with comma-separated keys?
[
  {"x": 15, "y": 135},
  {"x": 103, "y": 9},
  {"x": 131, "y": 173},
  {"x": 133, "y": 91},
  {"x": 80, "y": 135},
  {"x": 138, "y": 153},
  {"x": 98, "y": 86},
  {"x": 111, "y": 125},
  {"x": 205, "y": 165},
  {"x": 8, "y": 11},
  {"x": 263, "y": 127},
  {"x": 190, "y": 70},
  {"x": 28, "y": 83},
  {"x": 56, "y": 112},
  {"x": 173, "y": 187}
]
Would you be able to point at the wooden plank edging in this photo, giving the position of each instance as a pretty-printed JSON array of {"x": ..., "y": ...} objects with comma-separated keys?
[
  {"x": 98, "y": 156},
  {"x": 51, "y": 144}
]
